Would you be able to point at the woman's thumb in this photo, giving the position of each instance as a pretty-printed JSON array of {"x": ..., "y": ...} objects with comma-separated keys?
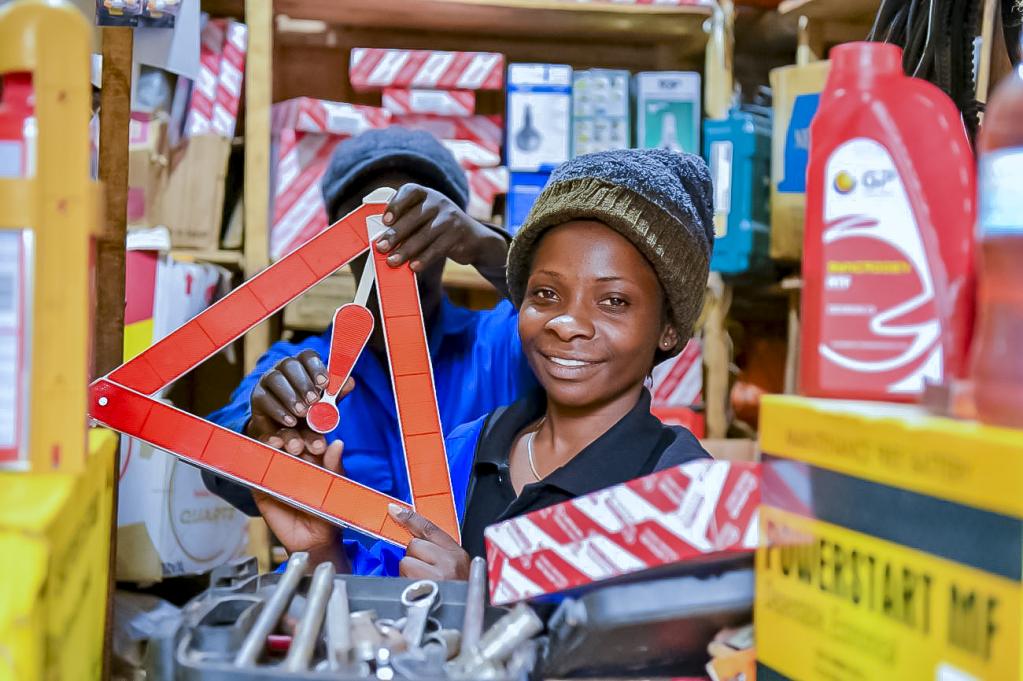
[{"x": 332, "y": 457}]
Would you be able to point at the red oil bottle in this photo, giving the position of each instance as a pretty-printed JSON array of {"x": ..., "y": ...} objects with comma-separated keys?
[
  {"x": 997, "y": 357},
  {"x": 888, "y": 245}
]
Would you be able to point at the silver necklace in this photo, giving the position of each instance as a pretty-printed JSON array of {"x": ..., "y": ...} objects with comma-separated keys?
[{"x": 529, "y": 449}]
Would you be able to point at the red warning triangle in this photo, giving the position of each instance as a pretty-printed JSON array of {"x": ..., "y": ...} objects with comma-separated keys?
[{"x": 122, "y": 400}]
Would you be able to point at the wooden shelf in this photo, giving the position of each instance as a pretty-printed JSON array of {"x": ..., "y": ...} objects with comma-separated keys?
[
  {"x": 845, "y": 11},
  {"x": 464, "y": 276},
  {"x": 221, "y": 257},
  {"x": 534, "y": 20}
]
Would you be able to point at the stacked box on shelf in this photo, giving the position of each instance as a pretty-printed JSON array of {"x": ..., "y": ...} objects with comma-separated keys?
[
  {"x": 168, "y": 523},
  {"x": 147, "y": 169},
  {"x": 668, "y": 110},
  {"x": 738, "y": 150},
  {"x": 600, "y": 111},
  {"x": 677, "y": 389},
  {"x": 893, "y": 544},
  {"x": 305, "y": 134},
  {"x": 192, "y": 205},
  {"x": 539, "y": 131},
  {"x": 796, "y": 91},
  {"x": 435, "y": 91},
  {"x": 523, "y": 188}
]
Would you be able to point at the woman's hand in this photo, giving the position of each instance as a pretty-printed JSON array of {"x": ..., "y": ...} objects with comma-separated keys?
[
  {"x": 298, "y": 530},
  {"x": 432, "y": 553}
]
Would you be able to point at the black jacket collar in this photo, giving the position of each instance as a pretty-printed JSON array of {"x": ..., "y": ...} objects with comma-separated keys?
[{"x": 625, "y": 451}]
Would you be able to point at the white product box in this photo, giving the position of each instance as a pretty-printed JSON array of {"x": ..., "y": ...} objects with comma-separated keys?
[
  {"x": 539, "y": 116},
  {"x": 600, "y": 111},
  {"x": 168, "y": 524},
  {"x": 668, "y": 110}
]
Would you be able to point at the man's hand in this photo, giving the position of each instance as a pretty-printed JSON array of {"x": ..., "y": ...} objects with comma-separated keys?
[
  {"x": 432, "y": 553},
  {"x": 281, "y": 400},
  {"x": 425, "y": 227}
]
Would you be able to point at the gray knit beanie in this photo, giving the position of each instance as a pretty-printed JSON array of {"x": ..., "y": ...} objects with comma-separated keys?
[
  {"x": 415, "y": 153},
  {"x": 658, "y": 199}
]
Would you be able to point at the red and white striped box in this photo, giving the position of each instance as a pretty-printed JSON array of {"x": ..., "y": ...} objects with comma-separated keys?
[
  {"x": 678, "y": 387},
  {"x": 306, "y": 131},
  {"x": 402, "y": 102},
  {"x": 474, "y": 140},
  {"x": 305, "y": 114},
  {"x": 484, "y": 186},
  {"x": 375, "y": 68},
  {"x": 229, "y": 80},
  {"x": 204, "y": 92},
  {"x": 699, "y": 511}
]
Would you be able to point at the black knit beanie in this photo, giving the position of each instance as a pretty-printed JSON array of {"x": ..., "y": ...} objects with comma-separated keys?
[
  {"x": 415, "y": 153},
  {"x": 658, "y": 199}
]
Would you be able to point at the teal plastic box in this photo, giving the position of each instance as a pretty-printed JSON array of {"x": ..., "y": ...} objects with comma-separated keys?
[{"x": 738, "y": 150}]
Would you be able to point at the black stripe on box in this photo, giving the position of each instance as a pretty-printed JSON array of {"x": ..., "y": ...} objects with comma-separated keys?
[{"x": 981, "y": 539}]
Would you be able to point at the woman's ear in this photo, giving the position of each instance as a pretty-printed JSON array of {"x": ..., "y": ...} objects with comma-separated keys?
[{"x": 669, "y": 339}]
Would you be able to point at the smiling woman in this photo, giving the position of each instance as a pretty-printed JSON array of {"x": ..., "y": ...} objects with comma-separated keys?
[{"x": 608, "y": 274}]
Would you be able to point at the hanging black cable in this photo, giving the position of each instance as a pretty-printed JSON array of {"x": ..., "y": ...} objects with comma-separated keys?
[{"x": 937, "y": 38}]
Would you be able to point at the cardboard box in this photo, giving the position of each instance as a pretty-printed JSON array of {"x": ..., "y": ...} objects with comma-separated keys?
[
  {"x": 894, "y": 546},
  {"x": 796, "y": 95},
  {"x": 523, "y": 189},
  {"x": 539, "y": 116},
  {"x": 732, "y": 449},
  {"x": 475, "y": 141},
  {"x": 698, "y": 511},
  {"x": 668, "y": 110},
  {"x": 376, "y": 68},
  {"x": 402, "y": 102},
  {"x": 314, "y": 311},
  {"x": 485, "y": 185},
  {"x": 55, "y": 529},
  {"x": 305, "y": 133},
  {"x": 600, "y": 111},
  {"x": 677, "y": 389},
  {"x": 147, "y": 169},
  {"x": 193, "y": 204},
  {"x": 168, "y": 524}
]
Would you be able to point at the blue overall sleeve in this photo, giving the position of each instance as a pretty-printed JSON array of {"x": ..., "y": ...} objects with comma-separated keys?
[{"x": 236, "y": 414}]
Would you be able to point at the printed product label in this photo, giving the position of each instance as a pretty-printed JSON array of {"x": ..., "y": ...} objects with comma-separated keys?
[
  {"x": 865, "y": 608},
  {"x": 879, "y": 323},
  {"x": 797, "y": 144},
  {"x": 1001, "y": 192},
  {"x": 14, "y": 250},
  {"x": 721, "y": 174}
]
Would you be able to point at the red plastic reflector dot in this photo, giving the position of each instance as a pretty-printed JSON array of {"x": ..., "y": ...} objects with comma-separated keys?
[{"x": 323, "y": 417}]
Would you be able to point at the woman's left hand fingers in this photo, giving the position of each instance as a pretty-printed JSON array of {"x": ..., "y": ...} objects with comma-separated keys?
[{"x": 421, "y": 527}]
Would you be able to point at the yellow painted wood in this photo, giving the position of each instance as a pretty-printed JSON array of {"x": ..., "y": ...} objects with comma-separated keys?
[{"x": 52, "y": 40}]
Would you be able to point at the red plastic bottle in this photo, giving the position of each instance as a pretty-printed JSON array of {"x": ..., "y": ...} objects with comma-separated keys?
[
  {"x": 17, "y": 126},
  {"x": 998, "y": 348},
  {"x": 888, "y": 245}
]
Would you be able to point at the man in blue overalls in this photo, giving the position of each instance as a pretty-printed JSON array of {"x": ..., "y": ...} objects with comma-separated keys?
[{"x": 478, "y": 364}]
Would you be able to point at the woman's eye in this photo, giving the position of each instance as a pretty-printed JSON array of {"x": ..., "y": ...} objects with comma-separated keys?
[
  {"x": 544, "y": 294},
  {"x": 614, "y": 301}
]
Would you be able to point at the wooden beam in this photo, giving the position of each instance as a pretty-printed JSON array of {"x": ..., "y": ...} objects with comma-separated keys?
[
  {"x": 551, "y": 20},
  {"x": 258, "y": 98},
  {"x": 716, "y": 355},
  {"x": 115, "y": 111},
  {"x": 108, "y": 333}
]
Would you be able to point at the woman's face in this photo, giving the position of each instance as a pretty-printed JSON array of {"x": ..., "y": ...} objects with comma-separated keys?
[{"x": 593, "y": 316}]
